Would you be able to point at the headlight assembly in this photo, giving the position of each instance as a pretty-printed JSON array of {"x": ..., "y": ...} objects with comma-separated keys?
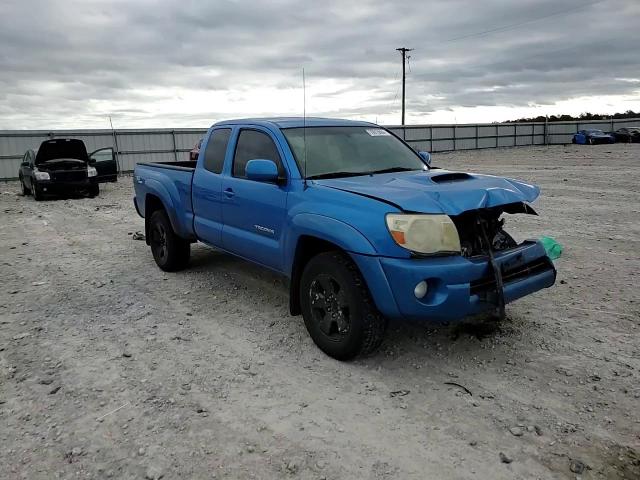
[
  {"x": 41, "y": 175},
  {"x": 91, "y": 172},
  {"x": 426, "y": 234}
]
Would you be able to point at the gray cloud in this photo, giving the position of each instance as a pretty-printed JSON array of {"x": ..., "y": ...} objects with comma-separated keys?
[{"x": 61, "y": 59}]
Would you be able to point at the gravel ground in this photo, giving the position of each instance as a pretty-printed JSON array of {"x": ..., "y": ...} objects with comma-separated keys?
[{"x": 110, "y": 368}]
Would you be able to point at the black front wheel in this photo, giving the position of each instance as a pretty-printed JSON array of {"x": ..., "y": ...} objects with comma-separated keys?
[
  {"x": 337, "y": 307},
  {"x": 170, "y": 251},
  {"x": 23, "y": 188},
  {"x": 37, "y": 193},
  {"x": 94, "y": 191}
]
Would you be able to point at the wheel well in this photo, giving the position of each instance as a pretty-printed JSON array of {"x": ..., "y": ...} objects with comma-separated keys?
[
  {"x": 151, "y": 204},
  {"x": 307, "y": 248}
]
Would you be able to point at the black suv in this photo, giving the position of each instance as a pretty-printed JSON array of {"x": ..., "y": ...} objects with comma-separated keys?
[{"x": 63, "y": 166}]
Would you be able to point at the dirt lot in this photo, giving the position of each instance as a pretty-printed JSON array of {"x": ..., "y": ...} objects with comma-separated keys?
[{"x": 110, "y": 368}]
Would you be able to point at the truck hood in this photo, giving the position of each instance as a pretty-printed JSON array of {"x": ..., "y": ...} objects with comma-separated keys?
[{"x": 436, "y": 190}]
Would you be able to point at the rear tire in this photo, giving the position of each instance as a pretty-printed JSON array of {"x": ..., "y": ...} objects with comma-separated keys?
[
  {"x": 337, "y": 307},
  {"x": 170, "y": 251}
]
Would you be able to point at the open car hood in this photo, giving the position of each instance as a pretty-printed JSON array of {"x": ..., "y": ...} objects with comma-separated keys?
[
  {"x": 437, "y": 191},
  {"x": 62, "y": 148}
]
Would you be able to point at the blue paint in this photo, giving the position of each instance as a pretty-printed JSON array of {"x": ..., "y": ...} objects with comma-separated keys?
[
  {"x": 592, "y": 136},
  {"x": 262, "y": 219}
]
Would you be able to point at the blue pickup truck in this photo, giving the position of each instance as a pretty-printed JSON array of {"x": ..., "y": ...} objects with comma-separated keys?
[{"x": 363, "y": 226}]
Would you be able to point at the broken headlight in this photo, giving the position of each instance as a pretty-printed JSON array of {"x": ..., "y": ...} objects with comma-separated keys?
[{"x": 426, "y": 234}]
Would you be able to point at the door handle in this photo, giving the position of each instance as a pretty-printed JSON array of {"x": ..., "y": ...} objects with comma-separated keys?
[{"x": 229, "y": 193}]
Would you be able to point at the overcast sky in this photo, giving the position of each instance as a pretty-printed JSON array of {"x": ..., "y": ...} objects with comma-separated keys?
[{"x": 187, "y": 63}]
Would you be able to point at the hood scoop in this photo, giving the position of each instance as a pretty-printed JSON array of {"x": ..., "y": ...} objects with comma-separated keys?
[{"x": 451, "y": 177}]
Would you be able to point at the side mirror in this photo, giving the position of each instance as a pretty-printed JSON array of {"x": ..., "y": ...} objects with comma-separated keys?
[
  {"x": 25, "y": 164},
  {"x": 426, "y": 157},
  {"x": 92, "y": 161},
  {"x": 262, "y": 170}
]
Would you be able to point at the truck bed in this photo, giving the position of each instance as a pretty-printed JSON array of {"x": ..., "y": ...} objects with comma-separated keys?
[
  {"x": 170, "y": 183},
  {"x": 184, "y": 165}
]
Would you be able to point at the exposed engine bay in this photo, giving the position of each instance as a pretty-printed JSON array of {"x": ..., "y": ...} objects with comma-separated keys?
[{"x": 482, "y": 231}]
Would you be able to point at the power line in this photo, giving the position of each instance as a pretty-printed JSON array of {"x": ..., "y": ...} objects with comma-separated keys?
[{"x": 513, "y": 25}]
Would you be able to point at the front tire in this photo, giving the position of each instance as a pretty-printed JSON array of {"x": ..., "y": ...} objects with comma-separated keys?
[
  {"x": 94, "y": 191},
  {"x": 337, "y": 307},
  {"x": 23, "y": 188},
  {"x": 170, "y": 251},
  {"x": 37, "y": 193}
]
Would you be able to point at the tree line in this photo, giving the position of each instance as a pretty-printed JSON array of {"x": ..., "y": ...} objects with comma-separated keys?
[{"x": 582, "y": 116}]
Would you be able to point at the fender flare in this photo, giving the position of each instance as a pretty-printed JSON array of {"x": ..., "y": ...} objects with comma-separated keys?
[
  {"x": 328, "y": 229},
  {"x": 159, "y": 190},
  {"x": 323, "y": 228}
]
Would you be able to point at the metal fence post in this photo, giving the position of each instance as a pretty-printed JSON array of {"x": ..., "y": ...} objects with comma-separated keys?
[
  {"x": 496, "y": 136},
  {"x": 546, "y": 133},
  {"x": 454, "y": 137},
  {"x": 476, "y": 136},
  {"x": 175, "y": 150},
  {"x": 116, "y": 151},
  {"x": 533, "y": 132}
]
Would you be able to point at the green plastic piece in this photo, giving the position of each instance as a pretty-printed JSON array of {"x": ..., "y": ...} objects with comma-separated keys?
[{"x": 553, "y": 248}]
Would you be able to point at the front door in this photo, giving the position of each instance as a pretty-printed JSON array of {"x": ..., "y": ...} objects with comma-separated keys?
[
  {"x": 254, "y": 212},
  {"x": 206, "y": 188},
  {"x": 104, "y": 161}
]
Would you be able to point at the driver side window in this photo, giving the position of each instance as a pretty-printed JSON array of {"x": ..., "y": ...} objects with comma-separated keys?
[{"x": 252, "y": 145}]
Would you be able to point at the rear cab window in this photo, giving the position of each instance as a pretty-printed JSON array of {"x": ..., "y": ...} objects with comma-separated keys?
[{"x": 216, "y": 150}]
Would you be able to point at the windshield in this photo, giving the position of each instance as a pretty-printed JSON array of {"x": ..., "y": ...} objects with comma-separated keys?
[{"x": 347, "y": 151}]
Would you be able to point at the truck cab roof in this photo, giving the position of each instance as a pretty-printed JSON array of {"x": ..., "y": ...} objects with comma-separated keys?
[{"x": 296, "y": 122}]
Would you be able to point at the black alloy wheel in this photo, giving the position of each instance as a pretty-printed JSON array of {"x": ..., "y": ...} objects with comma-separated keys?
[{"x": 337, "y": 307}]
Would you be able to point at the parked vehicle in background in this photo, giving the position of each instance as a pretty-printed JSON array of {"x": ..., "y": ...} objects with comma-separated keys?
[
  {"x": 62, "y": 166},
  {"x": 627, "y": 135},
  {"x": 592, "y": 137},
  {"x": 361, "y": 224},
  {"x": 195, "y": 151}
]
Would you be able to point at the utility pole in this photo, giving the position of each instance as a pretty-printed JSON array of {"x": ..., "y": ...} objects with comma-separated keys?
[{"x": 403, "y": 51}]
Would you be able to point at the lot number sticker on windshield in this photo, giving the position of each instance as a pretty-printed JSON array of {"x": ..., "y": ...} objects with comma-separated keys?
[{"x": 378, "y": 132}]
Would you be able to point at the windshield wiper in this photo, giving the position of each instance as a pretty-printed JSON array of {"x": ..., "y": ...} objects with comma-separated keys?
[
  {"x": 394, "y": 169},
  {"x": 336, "y": 175}
]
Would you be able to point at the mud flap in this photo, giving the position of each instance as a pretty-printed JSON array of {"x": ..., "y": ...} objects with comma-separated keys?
[{"x": 497, "y": 272}]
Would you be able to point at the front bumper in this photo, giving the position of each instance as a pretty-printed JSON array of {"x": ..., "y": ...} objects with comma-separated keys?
[
  {"x": 54, "y": 186},
  {"x": 457, "y": 286}
]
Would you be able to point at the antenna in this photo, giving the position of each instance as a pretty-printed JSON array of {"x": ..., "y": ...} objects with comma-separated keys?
[{"x": 304, "y": 128}]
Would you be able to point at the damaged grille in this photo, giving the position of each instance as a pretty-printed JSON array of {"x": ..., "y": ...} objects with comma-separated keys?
[
  {"x": 487, "y": 284},
  {"x": 472, "y": 239}
]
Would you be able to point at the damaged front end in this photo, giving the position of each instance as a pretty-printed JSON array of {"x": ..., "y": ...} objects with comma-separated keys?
[{"x": 482, "y": 236}]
